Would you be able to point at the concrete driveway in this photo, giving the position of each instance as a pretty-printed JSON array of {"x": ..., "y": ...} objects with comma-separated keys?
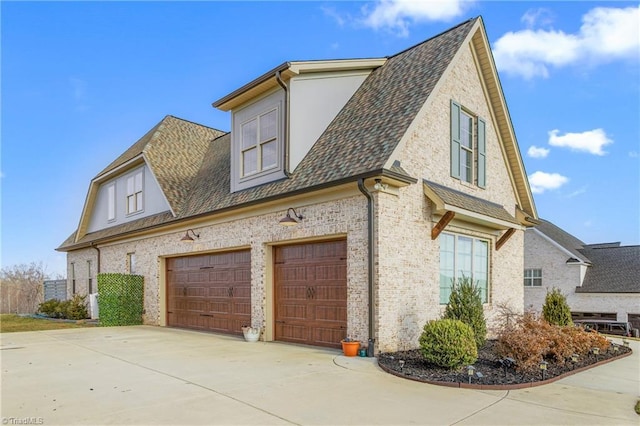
[{"x": 152, "y": 375}]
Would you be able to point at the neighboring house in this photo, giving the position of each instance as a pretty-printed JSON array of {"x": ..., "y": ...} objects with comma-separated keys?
[
  {"x": 398, "y": 174},
  {"x": 599, "y": 280}
]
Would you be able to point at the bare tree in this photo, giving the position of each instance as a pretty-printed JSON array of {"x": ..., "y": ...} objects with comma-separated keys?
[{"x": 21, "y": 288}]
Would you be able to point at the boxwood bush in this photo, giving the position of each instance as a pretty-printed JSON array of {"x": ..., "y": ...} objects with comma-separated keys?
[{"x": 448, "y": 343}]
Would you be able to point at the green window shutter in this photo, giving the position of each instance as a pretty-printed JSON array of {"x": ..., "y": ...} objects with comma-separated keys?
[
  {"x": 455, "y": 140},
  {"x": 482, "y": 156}
]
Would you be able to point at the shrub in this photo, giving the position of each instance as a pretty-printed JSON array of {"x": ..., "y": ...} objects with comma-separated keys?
[
  {"x": 532, "y": 339},
  {"x": 75, "y": 309},
  {"x": 448, "y": 343},
  {"x": 555, "y": 309},
  {"x": 50, "y": 308},
  {"x": 465, "y": 304}
]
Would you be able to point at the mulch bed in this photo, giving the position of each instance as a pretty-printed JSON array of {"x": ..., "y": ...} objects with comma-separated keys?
[{"x": 411, "y": 365}]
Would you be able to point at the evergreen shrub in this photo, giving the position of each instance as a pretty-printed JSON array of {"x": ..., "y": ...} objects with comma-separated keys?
[
  {"x": 448, "y": 343},
  {"x": 555, "y": 309},
  {"x": 465, "y": 304}
]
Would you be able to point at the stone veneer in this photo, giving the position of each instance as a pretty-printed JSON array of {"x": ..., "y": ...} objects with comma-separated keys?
[{"x": 540, "y": 253}]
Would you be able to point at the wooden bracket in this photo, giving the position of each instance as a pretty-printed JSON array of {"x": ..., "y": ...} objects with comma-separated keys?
[
  {"x": 442, "y": 223},
  {"x": 503, "y": 239}
]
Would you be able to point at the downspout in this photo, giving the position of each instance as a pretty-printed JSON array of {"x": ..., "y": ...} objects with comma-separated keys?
[
  {"x": 285, "y": 145},
  {"x": 98, "y": 262},
  {"x": 370, "y": 219}
]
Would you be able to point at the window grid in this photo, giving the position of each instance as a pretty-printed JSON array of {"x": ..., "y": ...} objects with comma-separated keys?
[{"x": 533, "y": 277}]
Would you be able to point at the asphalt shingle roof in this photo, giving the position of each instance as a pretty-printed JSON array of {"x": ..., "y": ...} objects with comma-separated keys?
[
  {"x": 613, "y": 270},
  {"x": 192, "y": 164},
  {"x": 470, "y": 203}
]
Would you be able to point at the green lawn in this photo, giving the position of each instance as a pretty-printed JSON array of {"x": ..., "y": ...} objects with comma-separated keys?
[{"x": 11, "y": 323}]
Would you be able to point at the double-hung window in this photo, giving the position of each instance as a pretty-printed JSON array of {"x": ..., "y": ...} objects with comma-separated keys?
[
  {"x": 468, "y": 146},
  {"x": 533, "y": 277},
  {"x": 134, "y": 192},
  {"x": 259, "y": 143},
  {"x": 463, "y": 257}
]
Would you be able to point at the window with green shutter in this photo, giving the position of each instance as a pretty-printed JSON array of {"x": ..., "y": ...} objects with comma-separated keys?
[{"x": 468, "y": 146}]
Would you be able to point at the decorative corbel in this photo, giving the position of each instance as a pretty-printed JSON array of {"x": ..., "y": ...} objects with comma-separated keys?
[
  {"x": 442, "y": 223},
  {"x": 503, "y": 239}
]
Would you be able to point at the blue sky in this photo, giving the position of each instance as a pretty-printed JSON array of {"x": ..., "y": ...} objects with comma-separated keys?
[{"x": 82, "y": 81}]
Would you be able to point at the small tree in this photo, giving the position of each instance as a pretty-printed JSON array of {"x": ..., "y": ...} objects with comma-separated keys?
[
  {"x": 465, "y": 304},
  {"x": 556, "y": 310}
]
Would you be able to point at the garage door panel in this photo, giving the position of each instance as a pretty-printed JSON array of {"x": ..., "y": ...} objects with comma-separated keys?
[
  {"x": 291, "y": 312},
  {"x": 210, "y": 292},
  {"x": 295, "y": 333},
  {"x": 331, "y": 313},
  {"x": 241, "y": 308},
  {"x": 218, "y": 277},
  {"x": 327, "y": 336}
]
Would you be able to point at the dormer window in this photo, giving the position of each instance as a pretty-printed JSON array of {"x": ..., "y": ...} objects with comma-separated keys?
[
  {"x": 134, "y": 192},
  {"x": 257, "y": 142},
  {"x": 260, "y": 143}
]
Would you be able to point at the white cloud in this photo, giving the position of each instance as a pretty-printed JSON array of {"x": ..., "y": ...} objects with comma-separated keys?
[
  {"x": 577, "y": 192},
  {"x": 536, "y": 152},
  {"x": 606, "y": 34},
  {"x": 397, "y": 15},
  {"x": 633, "y": 154},
  {"x": 332, "y": 13},
  {"x": 541, "y": 181},
  {"x": 591, "y": 141},
  {"x": 535, "y": 17}
]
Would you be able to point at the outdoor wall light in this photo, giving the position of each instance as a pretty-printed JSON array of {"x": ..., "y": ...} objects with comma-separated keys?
[
  {"x": 379, "y": 186},
  {"x": 290, "y": 221},
  {"x": 188, "y": 237}
]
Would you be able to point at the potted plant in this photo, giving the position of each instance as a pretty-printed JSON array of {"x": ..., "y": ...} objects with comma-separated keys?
[
  {"x": 251, "y": 334},
  {"x": 350, "y": 347}
]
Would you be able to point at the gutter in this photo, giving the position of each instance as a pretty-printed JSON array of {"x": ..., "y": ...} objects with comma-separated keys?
[
  {"x": 93, "y": 245},
  {"x": 286, "y": 126},
  {"x": 370, "y": 221}
]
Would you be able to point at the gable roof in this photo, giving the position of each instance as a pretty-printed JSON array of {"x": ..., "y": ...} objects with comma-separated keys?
[
  {"x": 357, "y": 144},
  {"x": 614, "y": 269},
  {"x": 565, "y": 240},
  {"x": 173, "y": 150}
]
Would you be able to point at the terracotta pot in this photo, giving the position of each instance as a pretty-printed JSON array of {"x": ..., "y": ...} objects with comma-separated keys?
[{"x": 350, "y": 348}]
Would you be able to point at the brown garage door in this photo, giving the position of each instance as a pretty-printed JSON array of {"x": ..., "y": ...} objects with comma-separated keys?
[
  {"x": 210, "y": 292},
  {"x": 311, "y": 293}
]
